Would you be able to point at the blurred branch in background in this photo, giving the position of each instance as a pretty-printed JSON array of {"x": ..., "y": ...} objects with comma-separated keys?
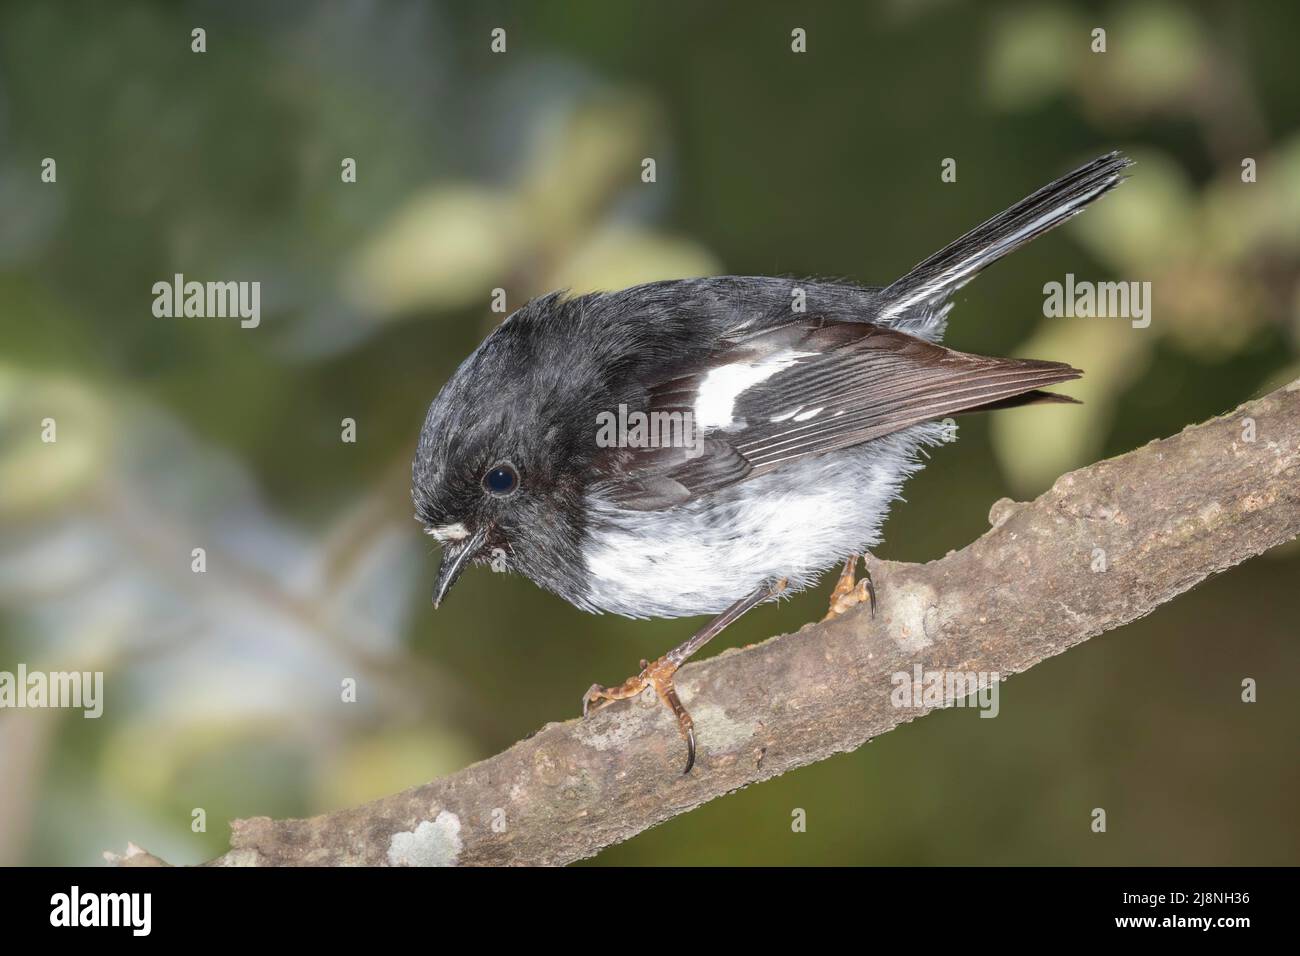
[
  {"x": 97, "y": 562},
  {"x": 1162, "y": 518}
]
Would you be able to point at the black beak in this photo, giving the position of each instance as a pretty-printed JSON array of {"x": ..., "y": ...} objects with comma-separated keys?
[{"x": 456, "y": 555}]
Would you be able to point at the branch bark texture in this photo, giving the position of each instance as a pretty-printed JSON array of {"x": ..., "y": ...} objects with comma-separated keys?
[{"x": 1161, "y": 518}]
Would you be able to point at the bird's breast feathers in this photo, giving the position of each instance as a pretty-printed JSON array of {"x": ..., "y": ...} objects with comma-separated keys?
[{"x": 792, "y": 523}]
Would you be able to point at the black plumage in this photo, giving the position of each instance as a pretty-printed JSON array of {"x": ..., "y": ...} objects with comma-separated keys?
[{"x": 810, "y": 401}]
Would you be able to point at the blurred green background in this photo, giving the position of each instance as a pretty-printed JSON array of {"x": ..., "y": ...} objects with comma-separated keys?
[{"x": 522, "y": 171}]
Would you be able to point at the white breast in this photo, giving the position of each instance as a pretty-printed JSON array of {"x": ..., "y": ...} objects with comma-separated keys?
[{"x": 794, "y": 523}]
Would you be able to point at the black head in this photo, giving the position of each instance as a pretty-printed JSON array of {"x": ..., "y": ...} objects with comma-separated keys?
[{"x": 498, "y": 475}]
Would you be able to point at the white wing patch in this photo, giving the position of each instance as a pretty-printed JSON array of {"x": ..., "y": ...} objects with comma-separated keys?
[
  {"x": 799, "y": 415},
  {"x": 715, "y": 401}
]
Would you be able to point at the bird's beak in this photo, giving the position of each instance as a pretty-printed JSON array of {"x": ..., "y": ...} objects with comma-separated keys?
[{"x": 455, "y": 556}]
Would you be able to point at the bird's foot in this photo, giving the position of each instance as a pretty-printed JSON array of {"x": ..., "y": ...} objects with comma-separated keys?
[
  {"x": 849, "y": 593},
  {"x": 658, "y": 675}
]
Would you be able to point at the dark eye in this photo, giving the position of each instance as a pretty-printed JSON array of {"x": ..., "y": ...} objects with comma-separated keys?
[{"x": 501, "y": 480}]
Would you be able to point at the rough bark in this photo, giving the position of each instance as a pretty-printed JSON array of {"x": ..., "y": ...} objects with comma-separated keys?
[{"x": 1161, "y": 518}]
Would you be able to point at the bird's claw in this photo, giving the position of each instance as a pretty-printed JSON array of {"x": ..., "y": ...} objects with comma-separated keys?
[
  {"x": 848, "y": 593},
  {"x": 658, "y": 675}
]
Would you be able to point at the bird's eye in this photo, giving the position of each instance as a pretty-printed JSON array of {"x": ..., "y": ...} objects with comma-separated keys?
[{"x": 501, "y": 480}]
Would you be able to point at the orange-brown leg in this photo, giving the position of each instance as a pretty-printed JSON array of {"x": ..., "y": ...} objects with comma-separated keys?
[
  {"x": 659, "y": 675},
  {"x": 847, "y": 594}
]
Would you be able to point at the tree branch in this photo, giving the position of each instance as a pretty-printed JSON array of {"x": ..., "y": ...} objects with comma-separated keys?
[{"x": 1161, "y": 518}]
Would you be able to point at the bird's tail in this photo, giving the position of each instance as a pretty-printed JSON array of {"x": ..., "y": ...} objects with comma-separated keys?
[{"x": 928, "y": 285}]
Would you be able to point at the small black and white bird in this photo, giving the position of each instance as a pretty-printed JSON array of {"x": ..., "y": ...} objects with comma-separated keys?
[{"x": 799, "y": 409}]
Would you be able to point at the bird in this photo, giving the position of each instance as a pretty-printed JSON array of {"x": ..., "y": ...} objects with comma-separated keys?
[{"x": 705, "y": 445}]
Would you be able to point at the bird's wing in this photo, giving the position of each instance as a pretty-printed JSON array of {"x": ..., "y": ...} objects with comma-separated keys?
[{"x": 800, "y": 389}]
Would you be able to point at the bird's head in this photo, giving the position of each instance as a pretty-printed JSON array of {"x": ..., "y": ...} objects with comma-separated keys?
[{"x": 497, "y": 475}]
